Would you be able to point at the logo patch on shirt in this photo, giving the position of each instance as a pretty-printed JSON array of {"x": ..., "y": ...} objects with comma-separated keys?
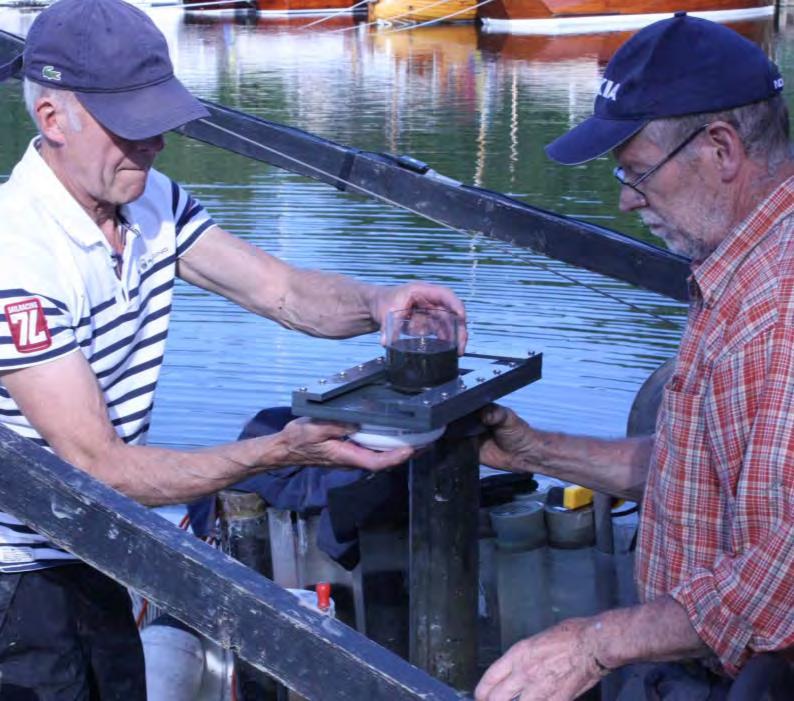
[{"x": 28, "y": 325}]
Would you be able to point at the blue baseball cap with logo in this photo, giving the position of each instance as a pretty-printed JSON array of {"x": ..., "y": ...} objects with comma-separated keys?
[
  {"x": 115, "y": 60},
  {"x": 678, "y": 66}
]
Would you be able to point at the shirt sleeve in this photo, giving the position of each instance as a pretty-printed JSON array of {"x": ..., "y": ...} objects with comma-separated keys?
[
  {"x": 191, "y": 220},
  {"x": 744, "y": 603},
  {"x": 34, "y": 328}
]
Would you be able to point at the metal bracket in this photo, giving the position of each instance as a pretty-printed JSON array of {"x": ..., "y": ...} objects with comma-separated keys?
[{"x": 361, "y": 394}]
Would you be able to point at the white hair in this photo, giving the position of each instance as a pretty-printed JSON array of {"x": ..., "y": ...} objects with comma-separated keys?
[{"x": 63, "y": 99}]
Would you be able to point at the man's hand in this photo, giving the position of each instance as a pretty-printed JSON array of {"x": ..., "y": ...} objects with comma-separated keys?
[
  {"x": 310, "y": 442},
  {"x": 414, "y": 295},
  {"x": 508, "y": 435},
  {"x": 556, "y": 665}
]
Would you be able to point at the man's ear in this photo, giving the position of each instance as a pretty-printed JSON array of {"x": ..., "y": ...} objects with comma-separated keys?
[
  {"x": 727, "y": 152},
  {"x": 50, "y": 118}
]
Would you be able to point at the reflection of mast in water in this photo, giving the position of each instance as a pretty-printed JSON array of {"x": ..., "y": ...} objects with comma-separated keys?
[
  {"x": 430, "y": 66},
  {"x": 513, "y": 127},
  {"x": 482, "y": 133}
]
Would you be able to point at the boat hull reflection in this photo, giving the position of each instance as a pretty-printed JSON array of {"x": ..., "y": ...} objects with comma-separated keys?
[{"x": 584, "y": 16}]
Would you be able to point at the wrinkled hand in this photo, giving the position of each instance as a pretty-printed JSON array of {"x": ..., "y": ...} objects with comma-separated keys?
[
  {"x": 307, "y": 441},
  {"x": 417, "y": 295},
  {"x": 507, "y": 438},
  {"x": 556, "y": 665}
]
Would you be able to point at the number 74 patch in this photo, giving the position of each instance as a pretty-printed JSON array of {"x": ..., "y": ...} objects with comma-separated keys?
[{"x": 28, "y": 325}]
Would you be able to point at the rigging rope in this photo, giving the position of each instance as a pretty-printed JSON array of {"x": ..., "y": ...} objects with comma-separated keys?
[
  {"x": 379, "y": 22},
  {"x": 504, "y": 246},
  {"x": 331, "y": 15},
  {"x": 438, "y": 20},
  {"x": 188, "y": 6}
]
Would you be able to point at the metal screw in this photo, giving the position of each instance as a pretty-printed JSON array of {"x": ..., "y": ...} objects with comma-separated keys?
[
  {"x": 530, "y": 353},
  {"x": 511, "y": 364},
  {"x": 380, "y": 359},
  {"x": 497, "y": 371},
  {"x": 360, "y": 367},
  {"x": 303, "y": 389},
  {"x": 444, "y": 395},
  {"x": 343, "y": 374},
  {"x": 426, "y": 402},
  {"x": 323, "y": 381},
  {"x": 480, "y": 379}
]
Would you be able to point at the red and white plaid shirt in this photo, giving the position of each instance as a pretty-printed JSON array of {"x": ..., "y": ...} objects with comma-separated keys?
[{"x": 717, "y": 525}]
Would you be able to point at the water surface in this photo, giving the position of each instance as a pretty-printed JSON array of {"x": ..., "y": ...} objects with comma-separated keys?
[{"x": 476, "y": 107}]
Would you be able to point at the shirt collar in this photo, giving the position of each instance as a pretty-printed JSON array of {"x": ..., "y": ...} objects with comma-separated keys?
[
  {"x": 711, "y": 278},
  {"x": 39, "y": 180}
]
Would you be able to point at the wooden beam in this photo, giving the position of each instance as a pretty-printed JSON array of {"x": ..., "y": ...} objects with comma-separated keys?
[
  {"x": 319, "y": 657},
  {"x": 444, "y": 562}
]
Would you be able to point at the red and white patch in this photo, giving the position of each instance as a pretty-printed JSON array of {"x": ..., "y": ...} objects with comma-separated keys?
[{"x": 28, "y": 325}]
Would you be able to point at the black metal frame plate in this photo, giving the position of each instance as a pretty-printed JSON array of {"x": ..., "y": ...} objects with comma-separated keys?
[{"x": 361, "y": 395}]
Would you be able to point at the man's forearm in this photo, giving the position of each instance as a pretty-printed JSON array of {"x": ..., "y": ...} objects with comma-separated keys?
[
  {"x": 327, "y": 305},
  {"x": 617, "y": 467},
  {"x": 156, "y": 476},
  {"x": 654, "y": 632}
]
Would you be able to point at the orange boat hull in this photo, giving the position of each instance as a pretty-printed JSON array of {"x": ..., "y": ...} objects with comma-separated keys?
[{"x": 423, "y": 10}]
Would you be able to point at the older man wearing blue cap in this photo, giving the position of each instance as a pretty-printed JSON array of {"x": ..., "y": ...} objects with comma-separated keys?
[
  {"x": 693, "y": 114},
  {"x": 92, "y": 239}
]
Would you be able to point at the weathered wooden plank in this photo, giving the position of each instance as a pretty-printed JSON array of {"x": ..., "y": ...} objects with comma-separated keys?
[
  {"x": 319, "y": 657},
  {"x": 444, "y": 563}
]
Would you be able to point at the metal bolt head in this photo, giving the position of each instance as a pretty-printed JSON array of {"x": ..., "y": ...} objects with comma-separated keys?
[
  {"x": 426, "y": 402},
  {"x": 480, "y": 379},
  {"x": 444, "y": 395},
  {"x": 343, "y": 374},
  {"x": 380, "y": 359},
  {"x": 497, "y": 371},
  {"x": 303, "y": 389},
  {"x": 322, "y": 381},
  {"x": 360, "y": 367}
]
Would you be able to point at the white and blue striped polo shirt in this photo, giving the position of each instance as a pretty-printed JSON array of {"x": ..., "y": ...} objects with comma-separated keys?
[{"x": 59, "y": 293}]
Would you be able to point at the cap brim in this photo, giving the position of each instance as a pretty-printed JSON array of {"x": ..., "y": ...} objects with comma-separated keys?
[
  {"x": 592, "y": 138},
  {"x": 10, "y": 69},
  {"x": 145, "y": 112}
]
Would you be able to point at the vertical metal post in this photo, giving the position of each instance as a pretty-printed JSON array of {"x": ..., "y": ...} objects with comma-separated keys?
[
  {"x": 602, "y": 511},
  {"x": 443, "y": 568},
  {"x": 245, "y": 537}
]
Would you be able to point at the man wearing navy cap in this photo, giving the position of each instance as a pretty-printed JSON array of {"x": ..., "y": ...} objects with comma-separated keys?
[
  {"x": 693, "y": 115},
  {"x": 92, "y": 240}
]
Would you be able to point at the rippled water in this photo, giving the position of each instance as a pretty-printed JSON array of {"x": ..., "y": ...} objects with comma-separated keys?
[{"x": 476, "y": 107}]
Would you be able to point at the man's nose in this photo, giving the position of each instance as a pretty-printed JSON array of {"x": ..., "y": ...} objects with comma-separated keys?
[
  {"x": 153, "y": 144},
  {"x": 630, "y": 199}
]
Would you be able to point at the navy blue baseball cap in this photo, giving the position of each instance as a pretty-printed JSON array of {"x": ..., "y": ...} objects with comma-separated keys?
[
  {"x": 678, "y": 66},
  {"x": 115, "y": 60}
]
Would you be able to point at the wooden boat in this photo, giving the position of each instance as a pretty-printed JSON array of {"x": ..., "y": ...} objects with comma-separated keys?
[
  {"x": 418, "y": 11},
  {"x": 583, "y": 16},
  {"x": 273, "y": 7}
]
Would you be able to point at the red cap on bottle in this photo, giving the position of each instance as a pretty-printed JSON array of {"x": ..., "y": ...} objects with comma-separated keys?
[{"x": 323, "y": 590}]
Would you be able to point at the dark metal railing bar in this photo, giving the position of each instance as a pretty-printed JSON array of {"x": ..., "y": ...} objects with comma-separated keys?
[{"x": 383, "y": 198}]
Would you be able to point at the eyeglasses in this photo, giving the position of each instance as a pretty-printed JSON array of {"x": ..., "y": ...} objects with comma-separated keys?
[{"x": 620, "y": 174}]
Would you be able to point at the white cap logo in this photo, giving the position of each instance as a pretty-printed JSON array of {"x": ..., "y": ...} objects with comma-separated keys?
[{"x": 608, "y": 90}]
